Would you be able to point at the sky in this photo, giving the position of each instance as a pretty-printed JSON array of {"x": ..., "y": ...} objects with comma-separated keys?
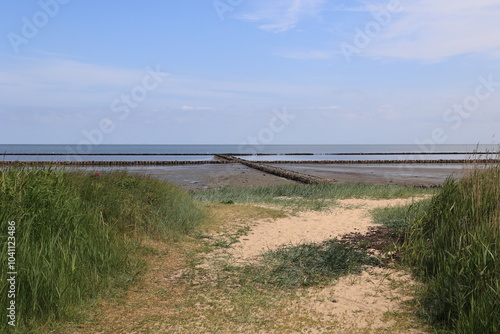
[{"x": 420, "y": 72}]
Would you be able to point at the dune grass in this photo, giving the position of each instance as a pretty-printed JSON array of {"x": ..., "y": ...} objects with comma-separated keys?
[
  {"x": 454, "y": 246},
  {"x": 134, "y": 204},
  {"x": 76, "y": 235},
  {"x": 398, "y": 219},
  {"x": 452, "y": 243}
]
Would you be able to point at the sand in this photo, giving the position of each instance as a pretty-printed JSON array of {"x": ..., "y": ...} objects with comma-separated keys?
[
  {"x": 362, "y": 301},
  {"x": 310, "y": 227}
]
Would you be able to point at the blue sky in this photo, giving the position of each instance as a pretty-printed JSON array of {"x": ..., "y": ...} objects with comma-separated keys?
[{"x": 227, "y": 71}]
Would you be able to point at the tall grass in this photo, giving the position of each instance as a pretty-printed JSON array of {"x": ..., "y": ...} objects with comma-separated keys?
[
  {"x": 454, "y": 246},
  {"x": 139, "y": 205},
  {"x": 73, "y": 235},
  {"x": 399, "y": 219}
]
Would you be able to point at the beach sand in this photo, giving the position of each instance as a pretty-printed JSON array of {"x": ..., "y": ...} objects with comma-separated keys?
[{"x": 351, "y": 215}]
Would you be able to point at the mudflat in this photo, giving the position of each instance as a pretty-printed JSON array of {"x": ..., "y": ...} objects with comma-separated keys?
[{"x": 197, "y": 177}]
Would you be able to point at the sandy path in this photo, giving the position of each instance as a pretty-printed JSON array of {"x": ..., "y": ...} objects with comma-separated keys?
[
  {"x": 365, "y": 301},
  {"x": 352, "y": 215}
]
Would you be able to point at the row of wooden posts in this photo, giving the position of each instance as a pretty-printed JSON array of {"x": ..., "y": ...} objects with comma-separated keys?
[{"x": 237, "y": 160}]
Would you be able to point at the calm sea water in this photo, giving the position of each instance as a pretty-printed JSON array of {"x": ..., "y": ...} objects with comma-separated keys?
[{"x": 270, "y": 152}]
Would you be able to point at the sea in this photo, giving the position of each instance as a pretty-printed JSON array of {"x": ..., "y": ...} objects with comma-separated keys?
[{"x": 20, "y": 152}]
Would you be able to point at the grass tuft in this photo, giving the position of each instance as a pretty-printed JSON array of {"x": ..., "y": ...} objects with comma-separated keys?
[{"x": 309, "y": 264}]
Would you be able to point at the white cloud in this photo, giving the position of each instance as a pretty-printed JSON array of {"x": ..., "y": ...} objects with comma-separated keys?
[
  {"x": 58, "y": 82},
  {"x": 426, "y": 30},
  {"x": 281, "y": 15},
  {"x": 433, "y": 30},
  {"x": 71, "y": 85}
]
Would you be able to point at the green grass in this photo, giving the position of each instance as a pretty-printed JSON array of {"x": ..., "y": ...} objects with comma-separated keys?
[
  {"x": 306, "y": 265},
  {"x": 395, "y": 218},
  {"x": 139, "y": 205},
  {"x": 452, "y": 243},
  {"x": 76, "y": 235},
  {"x": 454, "y": 247},
  {"x": 306, "y": 197},
  {"x": 398, "y": 219}
]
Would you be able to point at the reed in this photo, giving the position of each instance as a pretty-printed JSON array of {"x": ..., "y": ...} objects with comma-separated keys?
[
  {"x": 454, "y": 247},
  {"x": 74, "y": 235}
]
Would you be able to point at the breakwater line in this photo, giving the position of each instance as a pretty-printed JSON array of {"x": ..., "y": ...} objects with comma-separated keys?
[
  {"x": 237, "y": 160},
  {"x": 366, "y": 162},
  {"x": 110, "y": 163},
  {"x": 287, "y": 174}
]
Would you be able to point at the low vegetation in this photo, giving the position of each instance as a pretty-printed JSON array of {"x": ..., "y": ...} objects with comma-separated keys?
[
  {"x": 306, "y": 265},
  {"x": 306, "y": 197}
]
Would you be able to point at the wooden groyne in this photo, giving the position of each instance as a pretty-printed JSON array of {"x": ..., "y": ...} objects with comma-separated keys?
[
  {"x": 364, "y": 162},
  {"x": 228, "y": 159},
  {"x": 111, "y": 163},
  {"x": 295, "y": 176},
  {"x": 110, "y": 154}
]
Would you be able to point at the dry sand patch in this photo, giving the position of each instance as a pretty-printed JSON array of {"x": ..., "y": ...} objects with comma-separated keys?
[
  {"x": 363, "y": 301},
  {"x": 352, "y": 215}
]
